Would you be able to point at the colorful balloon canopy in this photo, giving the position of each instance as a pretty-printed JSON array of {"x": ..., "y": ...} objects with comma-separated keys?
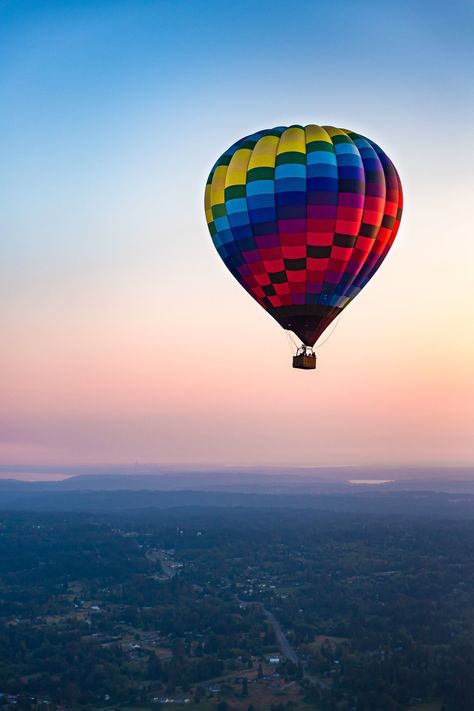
[{"x": 303, "y": 217}]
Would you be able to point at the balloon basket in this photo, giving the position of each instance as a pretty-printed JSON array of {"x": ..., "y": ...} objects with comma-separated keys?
[{"x": 305, "y": 361}]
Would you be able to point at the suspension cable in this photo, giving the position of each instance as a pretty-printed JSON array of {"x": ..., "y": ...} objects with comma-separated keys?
[
  {"x": 289, "y": 341},
  {"x": 329, "y": 334}
]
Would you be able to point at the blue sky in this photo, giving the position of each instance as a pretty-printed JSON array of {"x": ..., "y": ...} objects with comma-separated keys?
[{"x": 93, "y": 90}]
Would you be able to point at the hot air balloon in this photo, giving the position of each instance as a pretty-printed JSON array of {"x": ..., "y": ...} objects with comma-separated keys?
[{"x": 303, "y": 217}]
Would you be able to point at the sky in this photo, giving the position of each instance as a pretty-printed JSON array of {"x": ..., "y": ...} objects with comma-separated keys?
[{"x": 123, "y": 337}]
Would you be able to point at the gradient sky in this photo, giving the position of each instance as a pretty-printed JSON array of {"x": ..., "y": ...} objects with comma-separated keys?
[{"x": 124, "y": 338}]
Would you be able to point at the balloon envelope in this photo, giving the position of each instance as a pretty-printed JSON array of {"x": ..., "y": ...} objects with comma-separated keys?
[{"x": 303, "y": 217}]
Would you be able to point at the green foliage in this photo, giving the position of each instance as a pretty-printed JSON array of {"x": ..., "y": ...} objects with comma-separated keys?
[{"x": 381, "y": 612}]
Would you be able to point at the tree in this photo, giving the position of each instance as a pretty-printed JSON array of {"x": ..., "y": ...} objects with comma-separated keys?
[
  {"x": 154, "y": 669},
  {"x": 199, "y": 694}
]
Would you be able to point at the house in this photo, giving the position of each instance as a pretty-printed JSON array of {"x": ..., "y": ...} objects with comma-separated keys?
[{"x": 214, "y": 688}]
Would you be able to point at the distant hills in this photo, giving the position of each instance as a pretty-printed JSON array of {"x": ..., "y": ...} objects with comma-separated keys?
[
  {"x": 428, "y": 492},
  {"x": 288, "y": 480}
]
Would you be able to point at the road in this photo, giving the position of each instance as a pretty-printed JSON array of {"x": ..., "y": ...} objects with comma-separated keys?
[
  {"x": 283, "y": 643},
  {"x": 166, "y": 565}
]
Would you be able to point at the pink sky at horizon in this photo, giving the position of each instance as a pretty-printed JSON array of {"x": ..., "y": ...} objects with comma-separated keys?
[
  {"x": 100, "y": 376},
  {"x": 103, "y": 376}
]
